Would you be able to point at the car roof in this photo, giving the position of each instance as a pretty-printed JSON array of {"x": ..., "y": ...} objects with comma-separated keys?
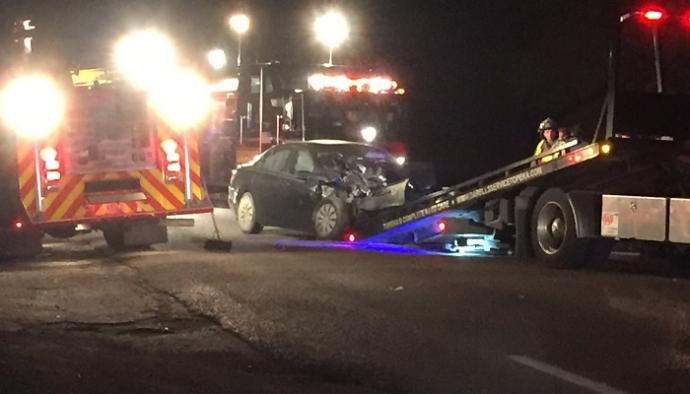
[{"x": 334, "y": 143}]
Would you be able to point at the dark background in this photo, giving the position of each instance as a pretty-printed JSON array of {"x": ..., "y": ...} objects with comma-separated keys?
[{"x": 479, "y": 75}]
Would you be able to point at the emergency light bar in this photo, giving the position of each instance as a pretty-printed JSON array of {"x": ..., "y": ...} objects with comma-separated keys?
[
  {"x": 343, "y": 83},
  {"x": 653, "y": 15}
]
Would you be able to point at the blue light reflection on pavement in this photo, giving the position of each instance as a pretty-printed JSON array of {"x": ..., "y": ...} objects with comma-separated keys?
[
  {"x": 379, "y": 248},
  {"x": 424, "y": 223},
  {"x": 388, "y": 241},
  {"x": 362, "y": 245}
]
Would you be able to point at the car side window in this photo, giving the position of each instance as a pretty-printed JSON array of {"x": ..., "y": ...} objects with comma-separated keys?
[
  {"x": 304, "y": 162},
  {"x": 277, "y": 161}
]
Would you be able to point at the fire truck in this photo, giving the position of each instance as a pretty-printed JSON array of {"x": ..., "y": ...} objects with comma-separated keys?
[
  {"x": 83, "y": 150},
  {"x": 272, "y": 103},
  {"x": 626, "y": 181}
]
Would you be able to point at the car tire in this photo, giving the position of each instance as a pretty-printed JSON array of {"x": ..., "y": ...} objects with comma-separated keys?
[
  {"x": 554, "y": 240},
  {"x": 330, "y": 219},
  {"x": 246, "y": 215}
]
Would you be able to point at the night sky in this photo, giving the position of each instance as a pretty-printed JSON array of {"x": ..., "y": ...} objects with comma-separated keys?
[{"x": 480, "y": 75}]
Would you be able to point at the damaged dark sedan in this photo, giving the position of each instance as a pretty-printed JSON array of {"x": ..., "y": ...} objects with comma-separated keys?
[{"x": 319, "y": 187}]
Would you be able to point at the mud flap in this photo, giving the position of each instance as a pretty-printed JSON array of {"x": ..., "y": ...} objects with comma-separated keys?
[
  {"x": 144, "y": 234},
  {"x": 523, "y": 213},
  {"x": 20, "y": 244}
]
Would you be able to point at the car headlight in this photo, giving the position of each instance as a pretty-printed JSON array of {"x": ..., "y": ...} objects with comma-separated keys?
[
  {"x": 401, "y": 160},
  {"x": 369, "y": 134},
  {"x": 32, "y": 106}
]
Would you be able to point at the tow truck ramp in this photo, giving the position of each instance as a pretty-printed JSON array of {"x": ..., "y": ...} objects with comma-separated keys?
[{"x": 470, "y": 195}]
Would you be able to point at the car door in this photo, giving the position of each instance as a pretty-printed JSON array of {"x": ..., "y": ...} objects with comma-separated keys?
[
  {"x": 270, "y": 186},
  {"x": 302, "y": 197}
]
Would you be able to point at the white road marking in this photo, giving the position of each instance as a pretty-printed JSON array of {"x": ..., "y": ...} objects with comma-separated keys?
[{"x": 564, "y": 375}]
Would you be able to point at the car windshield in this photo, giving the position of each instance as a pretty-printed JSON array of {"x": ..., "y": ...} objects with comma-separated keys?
[{"x": 345, "y": 115}]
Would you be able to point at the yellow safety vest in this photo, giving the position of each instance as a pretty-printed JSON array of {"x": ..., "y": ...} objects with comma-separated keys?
[{"x": 541, "y": 148}]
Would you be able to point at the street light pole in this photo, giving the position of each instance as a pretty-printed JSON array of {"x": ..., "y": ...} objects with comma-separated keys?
[
  {"x": 239, "y": 50},
  {"x": 332, "y": 30},
  {"x": 240, "y": 25},
  {"x": 657, "y": 60},
  {"x": 261, "y": 108}
]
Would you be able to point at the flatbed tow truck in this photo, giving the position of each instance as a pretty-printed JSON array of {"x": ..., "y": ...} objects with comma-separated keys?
[{"x": 567, "y": 209}]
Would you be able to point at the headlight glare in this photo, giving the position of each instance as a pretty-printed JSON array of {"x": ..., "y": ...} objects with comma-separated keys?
[{"x": 32, "y": 106}]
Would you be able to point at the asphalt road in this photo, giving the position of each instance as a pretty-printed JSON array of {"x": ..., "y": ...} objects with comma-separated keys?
[{"x": 262, "y": 318}]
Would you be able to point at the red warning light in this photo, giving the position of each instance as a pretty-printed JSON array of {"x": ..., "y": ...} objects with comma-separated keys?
[
  {"x": 441, "y": 226},
  {"x": 653, "y": 15},
  {"x": 685, "y": 19},
  {"x": 17, "y": 224},
  {"x": 350, "y": 237}
]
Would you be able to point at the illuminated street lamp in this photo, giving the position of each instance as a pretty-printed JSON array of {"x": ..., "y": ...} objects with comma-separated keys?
[
  {"x": 217, "y": 59},
  {"x": 332, "y": 30},
  {"x": 239, "y": 23}
]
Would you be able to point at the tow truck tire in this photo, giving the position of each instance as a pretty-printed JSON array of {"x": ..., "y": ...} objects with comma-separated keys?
[
  {"x": 330, "y": 219},
  {"x": 553, "y": 236},
  {"x": 246, "y": 215}
]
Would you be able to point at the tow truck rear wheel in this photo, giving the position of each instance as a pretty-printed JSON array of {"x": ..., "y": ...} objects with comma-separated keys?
[
  {"x": 330, "y": 218},
  {"x": 246, "y": 215},
  {"x": 554, "y": 240}
]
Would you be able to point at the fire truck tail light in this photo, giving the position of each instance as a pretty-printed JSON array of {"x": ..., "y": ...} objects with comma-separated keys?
[
  {"x": 17, "y": 224},
  {"x": 174, "y": 156},
  {"x": 53, "y": 176},
  {"x": 169, "y": 146},
  {"x": 174, "y": 167},
  {"x": 172, "y": 159},
  {"x": 48, "y": 154}
]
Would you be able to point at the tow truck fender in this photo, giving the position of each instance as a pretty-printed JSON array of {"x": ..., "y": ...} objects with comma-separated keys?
[
  {"x": 524, "y": 203},
  {"x": 587, "y": 212}
]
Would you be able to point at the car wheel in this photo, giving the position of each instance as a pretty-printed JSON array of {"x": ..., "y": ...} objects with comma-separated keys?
[
  {"x": 554, "y": 240},
  {"x": 330, "y": 219},
  {"x": 246, "y": 215}
]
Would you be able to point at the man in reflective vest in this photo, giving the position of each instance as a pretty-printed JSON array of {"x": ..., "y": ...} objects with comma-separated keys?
[{"x": 548, "y": 129}]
